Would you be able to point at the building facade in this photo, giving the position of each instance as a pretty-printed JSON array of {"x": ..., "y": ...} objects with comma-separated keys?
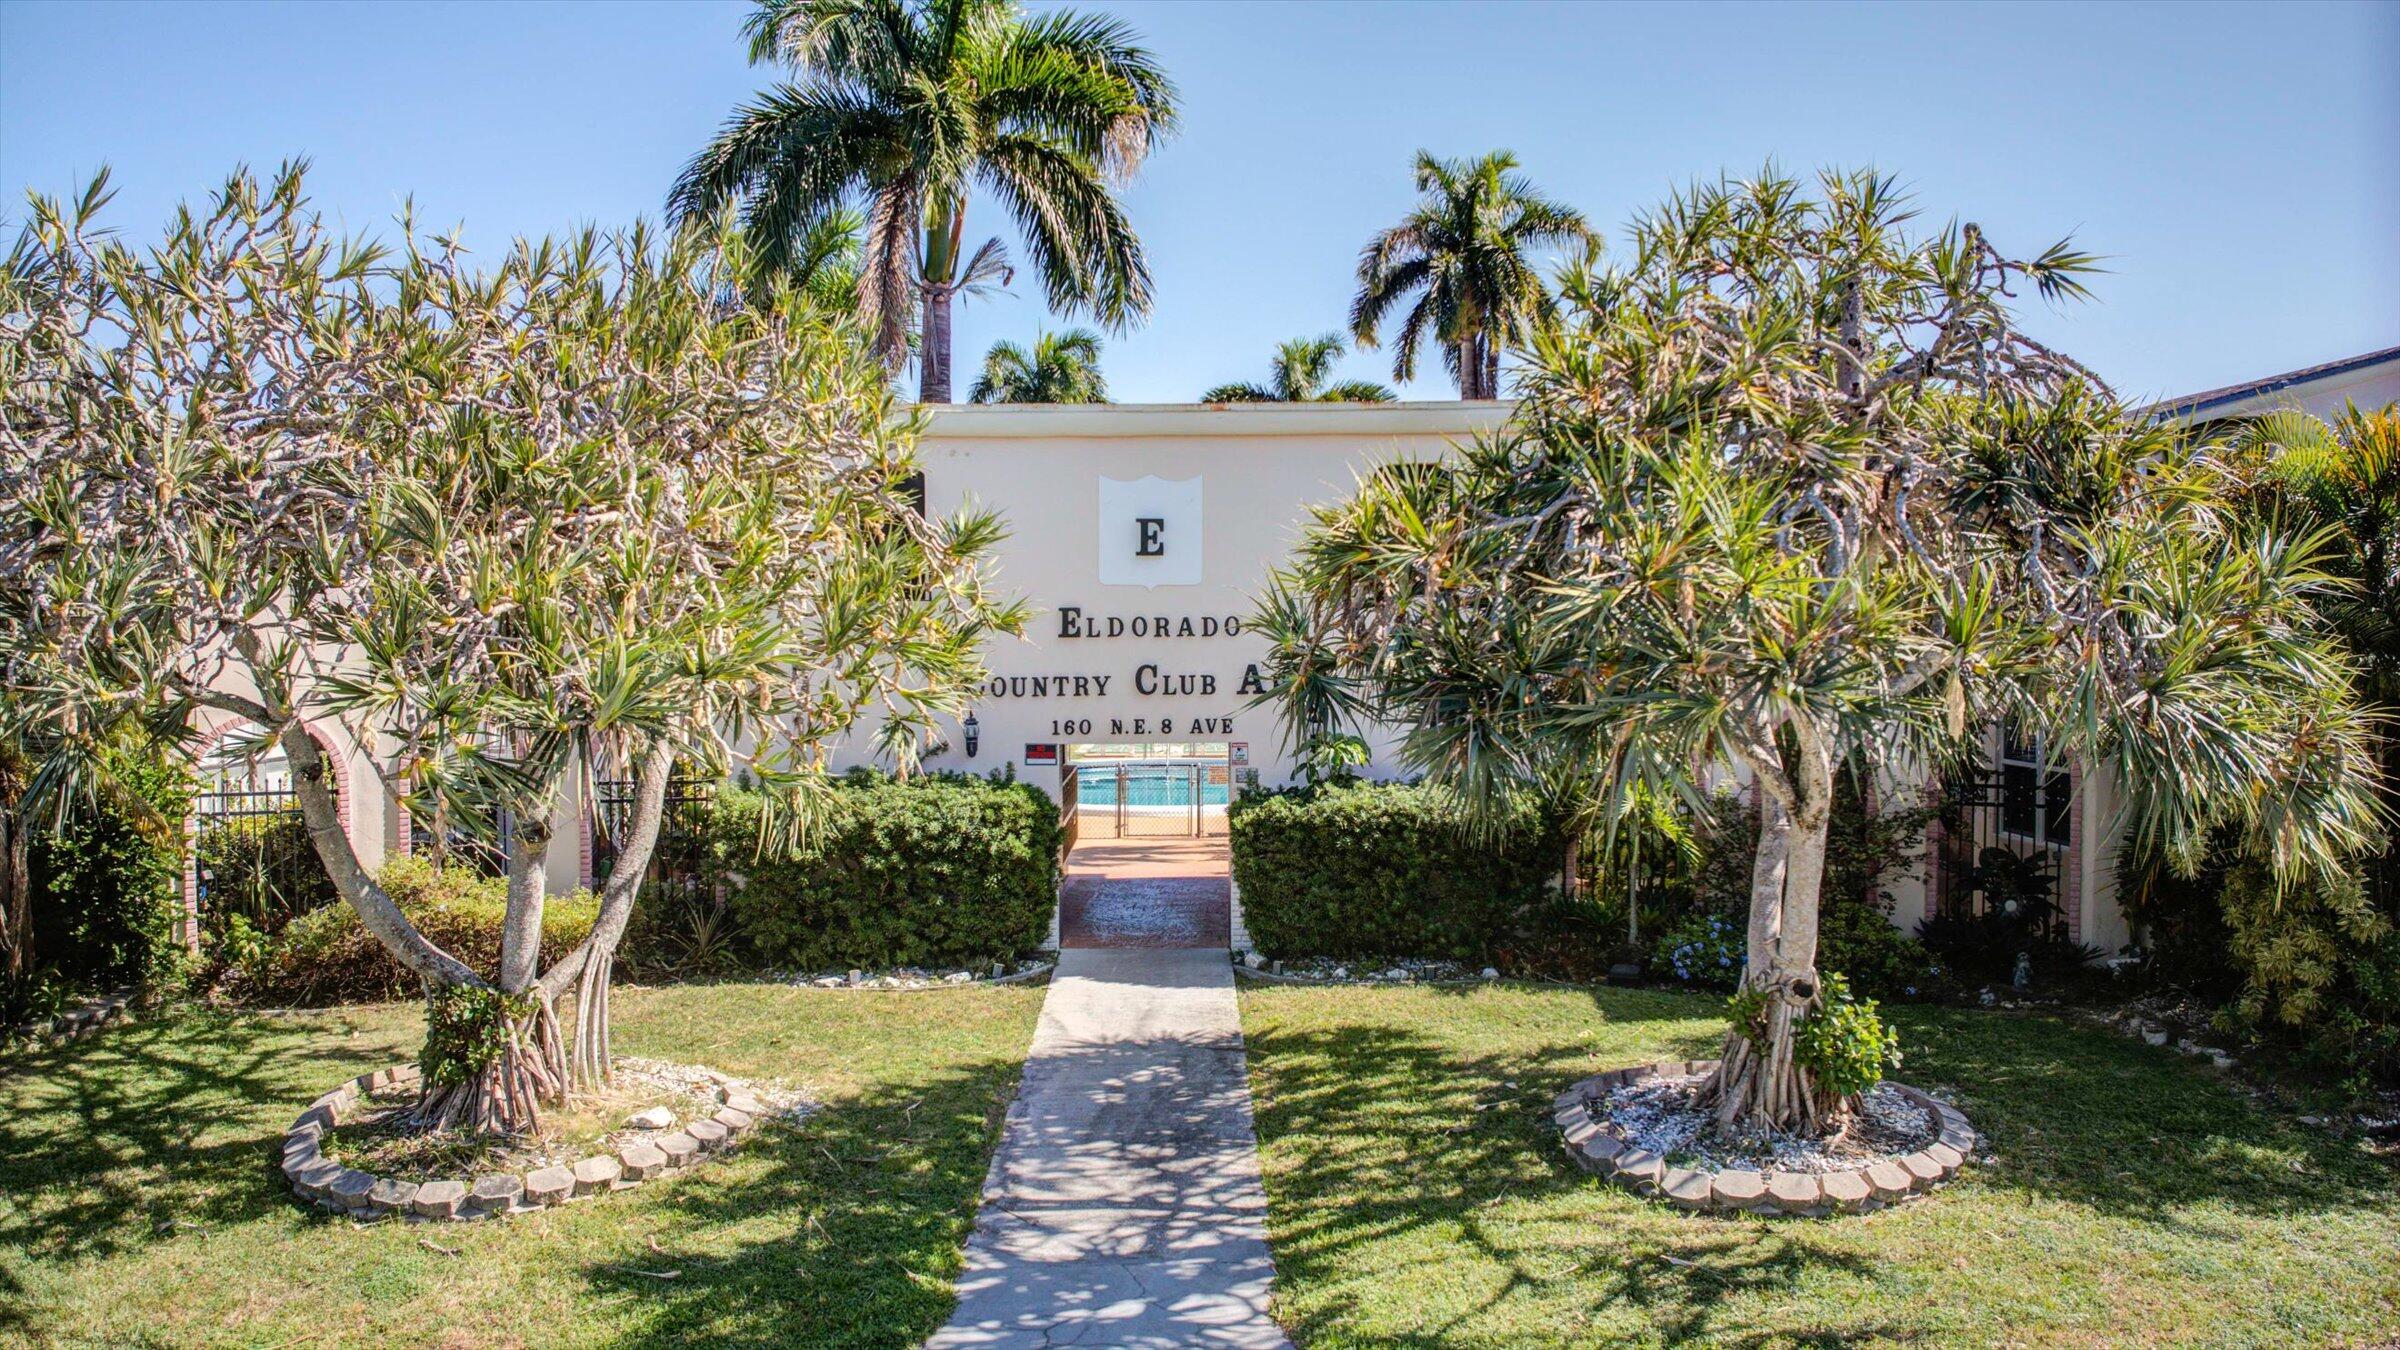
[{"x": 1142, "y": 535}]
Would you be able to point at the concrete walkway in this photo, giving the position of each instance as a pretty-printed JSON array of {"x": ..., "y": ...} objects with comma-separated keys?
[{"x": 1123, "y": 1207}]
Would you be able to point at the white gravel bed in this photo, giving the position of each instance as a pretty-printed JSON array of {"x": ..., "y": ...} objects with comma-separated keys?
[
  {"x": 1661, "y": 1115},
  {"x": 913, "y": 977},
  {"x": 1406, "y": 970},
  {"x": 703, "y": 1084}
]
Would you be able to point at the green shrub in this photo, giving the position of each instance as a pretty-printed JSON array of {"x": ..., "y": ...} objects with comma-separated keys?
[
  {"x": 940, "y": 869},
  {"x": 329, "y": 956},
  {"x": 108, "y": 884},
  {"x": 2321, "y": 967},
  {"x": 1388, "y": 869},
  {"x": 263, "y": 869},
  {"x": 1843, "y": 1042}
]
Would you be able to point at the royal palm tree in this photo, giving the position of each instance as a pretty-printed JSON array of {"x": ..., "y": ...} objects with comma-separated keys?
[
  {"x": 1462, "y": 254},
  {"x": 905, "y": 108},
  {"x": 1300, "y": 370},
  {"x": 1061, "y": 368}
]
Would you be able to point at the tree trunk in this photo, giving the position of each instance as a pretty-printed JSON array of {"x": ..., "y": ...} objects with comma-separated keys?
[
  {"x": 506, "y": 1095},
  {"x": 1491, "y": 367},
  {"x": 594, "y": 1062},
  {"x": 16, "y": 891},
  {"x": 528, "y": 894},
  {"x": 593, "y": 961},
  {"x": 376, "y": 910},
  {"x": 933, "y": 356},
  {"x": 1470, "y": 368},
  {"x": 1758, "y": 1084}
]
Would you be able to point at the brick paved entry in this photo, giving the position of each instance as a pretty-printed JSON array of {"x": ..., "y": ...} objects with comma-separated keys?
[{"x": 1146, "y": 893}]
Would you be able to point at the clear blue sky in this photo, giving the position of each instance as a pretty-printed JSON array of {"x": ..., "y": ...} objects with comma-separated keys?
[{"x": 2240, "y": 164}]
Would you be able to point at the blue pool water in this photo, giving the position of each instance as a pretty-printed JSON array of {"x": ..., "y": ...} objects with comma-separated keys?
[{"x": 1149, "y": 786}]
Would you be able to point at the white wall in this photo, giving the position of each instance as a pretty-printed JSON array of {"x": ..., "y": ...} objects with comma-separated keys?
[{"x": 1258, "y": 468}]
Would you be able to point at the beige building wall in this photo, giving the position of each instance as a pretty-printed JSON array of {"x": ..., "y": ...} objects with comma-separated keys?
[{"x": 1226, "y": 489}]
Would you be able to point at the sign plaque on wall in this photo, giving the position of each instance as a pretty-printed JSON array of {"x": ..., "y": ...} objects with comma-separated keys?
[
  {"x": 1150, "y": 532},
  {"x": 1041, "y": 754}
]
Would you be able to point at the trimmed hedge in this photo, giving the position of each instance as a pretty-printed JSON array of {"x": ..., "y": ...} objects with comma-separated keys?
[
  {"x": 942, "y": 869},
  {"x": 1388, "y": 869},
  {"x": 329, "y": 956}
]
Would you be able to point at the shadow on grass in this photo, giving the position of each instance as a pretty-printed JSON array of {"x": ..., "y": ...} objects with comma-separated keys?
[
  {"x": 120, "y": 1140},
  {"x": 2123, "y": 1128},
  {"x": 156, "y": 1123},
  {"x": 842, "y": 1230},
  {"x": 1396, "y": 1158},
  {"x": 1389, "y": 1138}
]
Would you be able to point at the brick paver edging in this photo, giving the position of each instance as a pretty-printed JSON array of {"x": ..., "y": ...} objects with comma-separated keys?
[
  {"x": 367, "y": 1197},
  {"x": 1597, "y": 1147},
  {"x": 75, "y": 1023}
]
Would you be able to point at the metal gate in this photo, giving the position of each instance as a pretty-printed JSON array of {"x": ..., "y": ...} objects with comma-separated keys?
[
  {"x": 1070, "y": 808},
  {"x": 681, "y": 864},
  {"x": 1155, "y": 799},
  {"x": 2003, "y": 842},
  {"x": 251, "y": 854},
  {"x": 684, "y": 902}
]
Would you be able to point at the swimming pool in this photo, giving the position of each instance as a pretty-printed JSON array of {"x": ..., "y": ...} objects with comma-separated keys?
[{"x": 1150, "y": 785}]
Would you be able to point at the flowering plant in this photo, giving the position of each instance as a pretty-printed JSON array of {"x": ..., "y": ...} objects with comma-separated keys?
[{"x": 1706, "y": 950}]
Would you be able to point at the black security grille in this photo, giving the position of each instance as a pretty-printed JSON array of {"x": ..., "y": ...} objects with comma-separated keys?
[
  {"x": 251, "y": 853},
  {"x": 682, "y": 865},
  {"x": 2004, "y": 837}
]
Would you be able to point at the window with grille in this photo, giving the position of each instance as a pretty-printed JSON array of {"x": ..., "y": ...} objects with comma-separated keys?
[{"x": 2035, "y": 793}]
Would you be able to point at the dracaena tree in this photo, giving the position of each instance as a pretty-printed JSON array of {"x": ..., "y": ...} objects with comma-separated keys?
[
  {"x": 1789, "y": 488},
  {"x": 580, "y": 514}
]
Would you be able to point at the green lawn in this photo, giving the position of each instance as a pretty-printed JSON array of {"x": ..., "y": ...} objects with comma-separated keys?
[
  {"x": 139, "y": 1202},
  {"x": 1418, "y": 1195}
]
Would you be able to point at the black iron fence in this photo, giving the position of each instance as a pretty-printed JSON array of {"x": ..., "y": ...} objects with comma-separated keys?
[
  {"x": 2002, "y": 848},
  {"x": 251, "y": 854},
  {"x": 682, "y": 865}
]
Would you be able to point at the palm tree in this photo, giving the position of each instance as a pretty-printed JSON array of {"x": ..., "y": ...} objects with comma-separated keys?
[
  {"x": 1061, "y": 368},
  {"x": 904, "y": 108},
  {"x": 1300, "y": 370},
  {"x": 1461, "y": 252},
  {"x": 822, "y": 259}
]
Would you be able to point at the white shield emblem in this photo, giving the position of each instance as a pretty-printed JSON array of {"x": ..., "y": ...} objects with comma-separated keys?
[{"x": 1150, "y": 532}]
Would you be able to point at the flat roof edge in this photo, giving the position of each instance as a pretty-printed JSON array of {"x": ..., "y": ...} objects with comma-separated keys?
[{"x": 1000, "y": 421}]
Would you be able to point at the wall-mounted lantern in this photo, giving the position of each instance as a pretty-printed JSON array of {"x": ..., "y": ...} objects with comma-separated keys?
[{"x": 974, "y": 734}]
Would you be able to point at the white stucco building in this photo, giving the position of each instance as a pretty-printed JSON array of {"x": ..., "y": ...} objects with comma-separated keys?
[{"x": 1142, "y": 535}]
